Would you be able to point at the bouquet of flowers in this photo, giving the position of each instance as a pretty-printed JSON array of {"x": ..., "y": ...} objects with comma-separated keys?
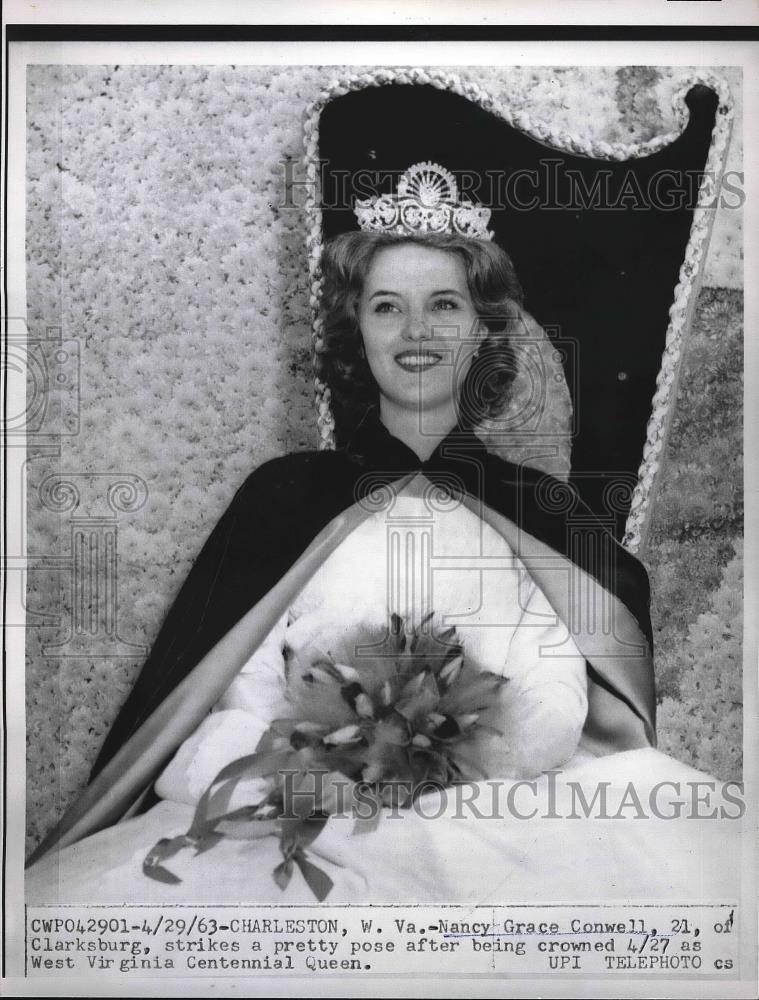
[{"x": 394, "y": 720}]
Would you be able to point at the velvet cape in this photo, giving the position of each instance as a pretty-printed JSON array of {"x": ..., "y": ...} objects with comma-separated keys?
[{"x": 281, "y": 525}]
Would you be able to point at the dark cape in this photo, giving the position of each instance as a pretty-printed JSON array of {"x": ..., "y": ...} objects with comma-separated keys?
[
  {"x": 285, "y": 503},
  {"x": 281, "y": 508}
]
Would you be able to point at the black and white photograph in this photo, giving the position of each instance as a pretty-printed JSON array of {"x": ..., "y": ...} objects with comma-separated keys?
[{"x": 374, "y": 446}]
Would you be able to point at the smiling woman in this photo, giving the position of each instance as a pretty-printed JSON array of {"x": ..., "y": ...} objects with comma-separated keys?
[{"x": 418, "y": 322}]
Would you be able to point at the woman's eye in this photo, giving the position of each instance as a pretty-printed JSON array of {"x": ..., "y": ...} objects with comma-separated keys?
[
  {"x": 446, "y": 304},
  {"x": 384, "y": 307}
]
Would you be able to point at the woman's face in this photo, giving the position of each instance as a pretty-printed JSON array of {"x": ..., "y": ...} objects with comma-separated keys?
[{"x": 419, "y": 325}]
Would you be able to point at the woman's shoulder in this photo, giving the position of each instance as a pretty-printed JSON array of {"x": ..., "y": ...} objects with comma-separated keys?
[
  {"x": 529, "y": 486},
  {"x": 294, "y": 476},
  {"x": 296, "y": 463},
  {"x": 551, "y": 508}
]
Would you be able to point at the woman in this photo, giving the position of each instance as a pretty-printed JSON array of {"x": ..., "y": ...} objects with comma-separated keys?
[{"x": 418, "y": 309}]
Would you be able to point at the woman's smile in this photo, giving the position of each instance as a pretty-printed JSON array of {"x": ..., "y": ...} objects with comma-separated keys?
[{"x": 418, "y": 361}]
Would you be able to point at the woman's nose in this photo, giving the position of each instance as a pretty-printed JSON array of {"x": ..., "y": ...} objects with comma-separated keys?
[{"x": 416, "y": 328}]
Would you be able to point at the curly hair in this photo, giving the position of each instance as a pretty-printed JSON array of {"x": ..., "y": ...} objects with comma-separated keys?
[{"x": 341, "y": 361}]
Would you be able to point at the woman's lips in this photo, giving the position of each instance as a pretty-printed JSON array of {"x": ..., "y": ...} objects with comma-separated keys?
[{"x": 418, "y": 361}]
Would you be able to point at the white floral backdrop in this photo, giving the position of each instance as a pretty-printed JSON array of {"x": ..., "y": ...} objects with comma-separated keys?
[{"x": 156, "y": 237}]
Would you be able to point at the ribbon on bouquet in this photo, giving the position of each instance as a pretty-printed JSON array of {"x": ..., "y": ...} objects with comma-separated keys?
[
  {"x": 296, "y": 836},
  {"x": 251, "y": 822}
]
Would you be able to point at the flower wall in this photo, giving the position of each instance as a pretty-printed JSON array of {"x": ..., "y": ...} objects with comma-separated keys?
[{"x": 160, "y": 244}]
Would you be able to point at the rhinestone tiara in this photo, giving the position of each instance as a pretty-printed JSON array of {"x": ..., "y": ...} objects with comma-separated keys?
[{"x": 427, "y": 201}]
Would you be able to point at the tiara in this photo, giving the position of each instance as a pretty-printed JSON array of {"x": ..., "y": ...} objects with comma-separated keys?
[{"x": 427, "y": 202}]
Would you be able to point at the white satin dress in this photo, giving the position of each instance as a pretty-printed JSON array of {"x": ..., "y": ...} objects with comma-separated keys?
[{"x": 555, "y": 823}]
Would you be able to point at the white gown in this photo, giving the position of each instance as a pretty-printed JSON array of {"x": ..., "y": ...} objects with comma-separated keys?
[{"x": 575, "y": 832}]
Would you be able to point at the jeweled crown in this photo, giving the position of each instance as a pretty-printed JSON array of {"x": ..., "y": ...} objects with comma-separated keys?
[{"x": 427, "y": 201}]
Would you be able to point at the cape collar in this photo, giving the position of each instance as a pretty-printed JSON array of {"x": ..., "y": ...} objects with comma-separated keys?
[{"x": 373, "y": 446}]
